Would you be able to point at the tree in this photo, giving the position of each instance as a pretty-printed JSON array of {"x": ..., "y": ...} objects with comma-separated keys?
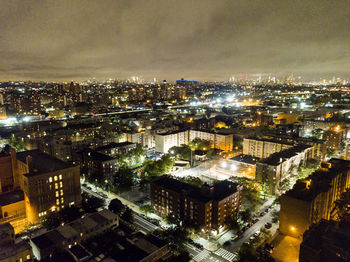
[
  {"x": 177, "y": 237},
  {"x": 65, "y": 215},
  {"x": 246, "y": 215},
  {"x": 196, "y": 181},
  {"x": 116, "y": 206},
  {"x": 246, "y": 253},
  {"x": 90, "y": 203},
  {"x": 233, "y": 225},
  {"x": 275, "y": 216},
  {"x": 181, "y": 152},
  {"x": 171, "y": 219},
  {"x": 128, "y": 215},
  {"x": 124, "y": 179},
  {"x": 147, "y": 209}
]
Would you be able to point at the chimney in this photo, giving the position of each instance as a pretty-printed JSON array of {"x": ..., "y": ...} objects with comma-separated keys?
[{"x": 29, "y": 162}]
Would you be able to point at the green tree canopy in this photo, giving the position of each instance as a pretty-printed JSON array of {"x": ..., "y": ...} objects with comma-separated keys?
[{"x": 116, "y": 206}]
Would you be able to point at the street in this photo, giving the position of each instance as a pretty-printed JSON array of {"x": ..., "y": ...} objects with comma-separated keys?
[{"x": 222, "y": 254}]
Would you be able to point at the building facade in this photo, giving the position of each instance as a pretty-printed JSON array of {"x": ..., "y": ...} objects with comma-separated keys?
[
  {"x": 263, "y": 148},
  {"x": 312, "y": 199},
  {"x": 208, "y": 207},
  {"x": 282, "y": 165},
  {"x": 326, "y": 241},
  {"x": 33, "y": 184}
]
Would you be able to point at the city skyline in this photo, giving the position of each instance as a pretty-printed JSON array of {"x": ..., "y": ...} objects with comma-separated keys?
[{"x": 206, "y": 40}]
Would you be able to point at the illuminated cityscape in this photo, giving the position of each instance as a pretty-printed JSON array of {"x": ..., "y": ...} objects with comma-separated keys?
[{"x": 153, "y": 131}]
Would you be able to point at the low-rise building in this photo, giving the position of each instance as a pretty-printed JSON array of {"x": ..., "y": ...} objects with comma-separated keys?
[
  {"x": 13, "y": 210},
  {"x": 208, "y": 207},
  {"x": 313, "y": 198},
  {"x": 68, "y": 235},
  {"x": 11, "y": 251}
]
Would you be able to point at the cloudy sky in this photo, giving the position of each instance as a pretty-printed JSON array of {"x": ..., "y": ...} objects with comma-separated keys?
[{"x": 169, "y": 39}]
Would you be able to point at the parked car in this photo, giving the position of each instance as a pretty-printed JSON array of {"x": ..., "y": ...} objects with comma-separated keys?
[
  {"x": 266, "y": 210},
  {"x": 191, "y": 242},
  {"x": 256, "y": 220},
  {"x": 233, "y": 238},
  {"x": 268, "y": 225},
  {"x": 262, "y": 214},
  {"x": 257, "y": 233}
]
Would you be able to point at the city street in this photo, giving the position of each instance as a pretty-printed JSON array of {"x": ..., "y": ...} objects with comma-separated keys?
[{"x": 222, "y": 254}]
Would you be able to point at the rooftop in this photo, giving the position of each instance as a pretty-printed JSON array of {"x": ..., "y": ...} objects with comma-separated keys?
[
  {"x": 328, "y": 233},
  {"x": 319, "y": 181},
  {"x": 97, "y": 156},
  {"x": 114, "y": 145},
  {"x": 248, "y": 159},
  {"x": 42, "y": 163},
  {"x": 206, "y": 193},
  {"x": 279, "y": 157},
  {"x": 11, "y": 197},
  {"x": 271, "y": 140}
]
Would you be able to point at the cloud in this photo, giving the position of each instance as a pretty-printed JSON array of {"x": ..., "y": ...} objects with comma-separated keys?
[{"x": 204, "y": 39}]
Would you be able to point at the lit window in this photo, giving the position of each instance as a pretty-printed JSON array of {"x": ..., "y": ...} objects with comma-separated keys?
[
  {"x": 57, "y": 194},
  {"x": 56, "y": 186},
  {"x": 60, "y": 176},
  {"x": 55, "y": 178},
  {"x": 61, "y": 184},
  {"x": 57, "y": 201},
  {"x": 62, "y": 200},
  {"x": 61, "y": 192},
  {"x": 50, "y": 179},
  {"x": 28, "y": 256}
]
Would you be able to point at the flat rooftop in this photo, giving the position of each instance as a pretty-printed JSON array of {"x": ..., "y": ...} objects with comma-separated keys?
[
  {"x": 247, "y": 159},
  {"x": 270, "y": 140},
  {"x": 275, "y": 159},
  {"x": 320, "y": 181},
  {"x": 42, "y": 163},
  {"x": 205, "y": 193},
  {"x": 11, "y": 197},
  {"x": 114, "y": 145}
]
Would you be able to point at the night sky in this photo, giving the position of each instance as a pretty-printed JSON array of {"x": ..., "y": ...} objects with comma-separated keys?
[{"x": 205, "y": 40}]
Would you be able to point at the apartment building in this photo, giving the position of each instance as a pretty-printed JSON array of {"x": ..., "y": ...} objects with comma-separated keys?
[
  {"x": 281, "y": 165},
  {"x": 312, "y": 199},
  {"x": 335, "y": 137},
  {"x": 146, "y": 139},
  {"x": 263, "y": 148},
  {"x": 48, "y": 183},
  {"x": 219, "y": 140},
  {"x": 32, "y": 184},
  {"x": 326, "y": 241},
  {"x": 165, "y": 141},
  {"x": 208, "y": 207}
]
